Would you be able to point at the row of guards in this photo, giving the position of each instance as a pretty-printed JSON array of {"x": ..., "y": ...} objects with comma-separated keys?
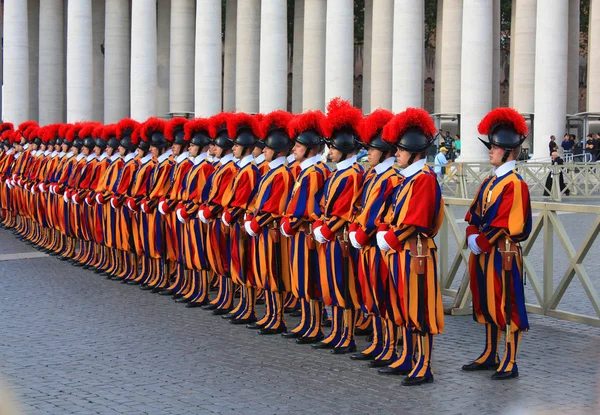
[{"x": 244, "y": 206}]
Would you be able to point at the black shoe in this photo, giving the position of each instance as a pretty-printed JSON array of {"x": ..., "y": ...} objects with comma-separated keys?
[
  {"x": 116, "y": 278},
  {"x": 322, "y": 345},
  {"x": 474, "y": 366},
  {"x": 369, "y": 338},
  {"x": 379, "y": 363},
  {"x": 361, "y": 356},
  {"x": 108, "y": 276},
  {"x": 239, "y": 321},
  {"x": 291, "y": 335},
  {"x": 86, "y": 266},
  {"x": 256, "y": 326},
  {"x": 125, "y": 281},
  {"x": 195, "y": 305},
  {"x": 133, "y": 282},
  {"x": 310, "y": 340},
  {"x": 326, "y": 323},
  {"x": 344, "y": 350},
  {"x": 392, "y": 371},
  {"x": 505, "y": 375},
  {"x": 177, "y": 296},
  {"x": 263, "y": 331},
  {"x": 296, "y": 313},
  {"x": 146, "y": 288},
  {"x": 229, "y": 316},
  {"x": 363, "y": 332},
  {"x": 98, "y": 271},
  {"x": 417, "y": 381},
  {"x": 260, "y": 302},
  {"x": 166, "y": 292},
  {"x": 182, "y": 300},
  {"x": 156, "y": 290},
  {"x": 209, "y": 306},
  {"x": 289, "y": 310},
  {"x": 220, "y": 311}
]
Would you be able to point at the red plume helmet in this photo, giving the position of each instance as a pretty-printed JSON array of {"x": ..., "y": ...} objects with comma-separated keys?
[
  {"x": 503, "y": 116},
  {"x": 241, "y": 120},
  {"x": 51, "y": 132},
  {"x": 341, "y": 114},
  {"x": 310, "y": 120},
  {"x": 63, "y": 129},
  {"x": 194, "y": 126},
  {"x": 74, "y": 131},
  {"x": 108, "y": 131},
  {"x": 7, "y": 135},
  {"x": 150, "y": 126},
  {"x": 87, "y": 129},
  {"x": 6, "y": 126},
  {"x": 218, "y": 122},
  {"x": 416, "y": 118},
  {"x": 172, "y": 125},
  {"x": 373, "y": 124},
  {"x": 135, "y": 135},
  {"x": 26, "y": 124},
  {"x": 126, "y": 126},
  {"x": 98, "y": 131},
  {"x": 274, "y": 120}
]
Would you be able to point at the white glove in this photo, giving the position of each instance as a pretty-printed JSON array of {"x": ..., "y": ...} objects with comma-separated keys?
[
  {"x": 473, "y": 244},
  {"x": 201, "y": 216},
  {"x": 161, "y": 208},
  {"x": 353, "y": 240},
  {"x": 283, "y": 232},
  {"x": 225, "y": 221},
  {"x": 65, "y": 198},
  {"x": 86, "y": 201},
  {"x": 319, "y": 236},
  {"x": 179, "y": 217},
  {"x": 98, "y": 199},
  {"x": 381, "y": 242},
  {"x": 41, "y": 187},
  {"x": 112, "y": 203},
  {"x": 248, "y": 228},
  {"x": 32, "y": 190},
  {"x": 74, "y": 200}
]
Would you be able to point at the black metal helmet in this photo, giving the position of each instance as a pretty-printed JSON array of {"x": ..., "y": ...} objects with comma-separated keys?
[
  {"x": 505, "y": 128},
  {"x": 378, "y": 143},
  {"x": 174, "y": 130},
  {"x": 503, "y": 136},
  {"x": 243, "y": 129},
  {"x": 158, "y": 140},
  {"x": 245, "y": 138},
  {"x": 113, "y": 142},
  {"x": 100, "y": 143},
  {"x": 144, "y": 146},
  {"x": 222, "y": 140},
  {"x": 414, "y": 140},
  {"x": 309, "y": 138},
  {"x": 89, "y": 142},
  {"x": 344, "y": 140},
  {"x": 278, "y": 140},
  {"x": 77, "y": 143},
  {"x": 411, "y": 130},
  {"x": 200, "y": 139}
]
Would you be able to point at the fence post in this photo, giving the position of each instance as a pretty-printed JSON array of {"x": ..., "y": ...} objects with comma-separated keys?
[{"x": 548, "y": 258}]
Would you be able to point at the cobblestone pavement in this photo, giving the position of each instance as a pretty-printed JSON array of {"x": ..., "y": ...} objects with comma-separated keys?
[{"x": 74, "y": 342}]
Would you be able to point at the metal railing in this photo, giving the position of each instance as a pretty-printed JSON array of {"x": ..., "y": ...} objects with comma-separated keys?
[
  {"x": 581, "y": 180},
  {"x": 546, "y": 226}
]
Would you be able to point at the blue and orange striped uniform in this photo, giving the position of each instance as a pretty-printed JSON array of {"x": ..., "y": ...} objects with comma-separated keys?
[{"x": 501, "y": 210}]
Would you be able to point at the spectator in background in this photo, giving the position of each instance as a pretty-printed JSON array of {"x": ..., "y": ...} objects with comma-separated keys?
[
  {"x": 552, "y": 145},
  {"x": 440, "y": 161},
  {"x": 556, "y": 160},
  {"x": 597, "y": 146},
  {"x": 449, "y": 144},
  {"x": 457, "y": 144},
  {"x": 589, "y": 149},
  {"x": 567, "y": 146}
]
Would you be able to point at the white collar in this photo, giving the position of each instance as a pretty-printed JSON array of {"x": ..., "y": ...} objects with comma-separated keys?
[
  {"x": 69, "y": 155},
  {"x": 114, "y": 157},
  {"x": 413, "y": 168},
  {"x": 260, "y": 158},
  {"x": 385, "y": 165},
  {"x": 46, "y": 152},
  {"x": 246, "y": 160},
  {"x": 182, "y": 156},
  {"x": 26, "y": 146},
  {"x": 129, "y": 156},
  {"x": 344, "y": 164},
  {"x": 226, "y": 159},
  {"x": 165, "y": 156},
  {"x": 310, "y": 161},
  {"x": 10, "y": 151},
  {"x": 276, "y": 163},
  {"x": 291, "y": 158},
  {"x": 62, "y": 154},
  {"x": 102, "y": 156},
  {"x": 505, "y": 168},
  {"x": 146, "y": 158},
  {"x": 91, "y": 157},
  {"x": 54, "y": 153},
  {"x": 200, "y": 158},
  {"x": 79, "y": 157}
]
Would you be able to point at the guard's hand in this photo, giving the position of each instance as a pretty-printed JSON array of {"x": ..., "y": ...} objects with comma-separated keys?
[
  {"x": 180, "y": 216},
  {"x": 225, "y": 220},
  {"x": 471, "y": 241},
  {"x": 353, "y": 241},
  {"x": 201, "y": 216},
  {"x": 319, "y": 236},
  {"x": 282, "y": 230},
  {"x": 248, "y": 228},
  {"x": 381, "y": 242}
]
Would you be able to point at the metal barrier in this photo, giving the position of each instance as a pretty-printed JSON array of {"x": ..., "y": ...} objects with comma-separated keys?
[
  {"x": 581, "y": 180},
  {"x": 547, "y": 295}
]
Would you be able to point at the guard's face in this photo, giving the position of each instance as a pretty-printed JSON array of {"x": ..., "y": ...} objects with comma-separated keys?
[
  {"x": 154, "y": 151},
  {"x": 97, "y": 150},
  {"x": 269, "y": 154},
  {"x": 176, "y": 149},
  {"x": 496, "y": 154},
  {"x": 238, "y": 151},
  {"x": 194, "y": 150},
  {"x": 122, "y": 151},
  {"x": 402, "y": 158},
  {"x": 109, "y": 151},
  {"x": 64, "y": 148},
  {"x": 373, "y": 156},
  {"x": 257, "y": 152},
  {"x": 219, "y": 152},
  {"x": 212, "y": 150},
  {"x": 299, "y": 151},
  {"x": 139, "y": 153},
  {"x": 85, "y": 151},
  {"x": 335, "y": 155}
]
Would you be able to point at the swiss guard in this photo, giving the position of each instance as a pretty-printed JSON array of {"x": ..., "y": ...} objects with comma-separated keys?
[{"x": 499, "y": 221}]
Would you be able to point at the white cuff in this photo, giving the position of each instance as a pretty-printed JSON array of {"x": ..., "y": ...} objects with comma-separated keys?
[{"x": 381, "y": 242}]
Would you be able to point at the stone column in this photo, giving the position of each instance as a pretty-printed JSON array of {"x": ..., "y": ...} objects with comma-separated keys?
[
  {"x": 476, "y": 75},
  {"x": 98, "y": 39},
  {"x": 16, "y": 62},
  {"x": 496, "y": 56},
  {"x": 229, "y": 56},
  {"x": 439, "y": 29},
  {"x": 367, "y": 57},
  {"x": 409, "y": 20},
  {"x": 79, "y": 61},
  {"x": 208, "y": 58},
  {"x": 163, "y": 54},
  {"x": 573, "y": 60},
  {"x": 181, "y": 71},
  {"x": 522, "y": 56},
  {"x": 143, "y": 59},
  {"x": 339, "y": 45},
  {"x": 450, "y": 88},
  {"x": 298, "y": 53},
  {"x": 382, "y": 50},
  {"x": 247, "y": 62},
  {"x": 550, "y": 96},
  {"x": 33, "y": 20},
  {"x": 313, "y": 87},
  {"x": 273, "y": 56},
  {"x": 117, "y": 58},
  {"x": 593, "y": 67},
  {"x": 52, "y": 62}
]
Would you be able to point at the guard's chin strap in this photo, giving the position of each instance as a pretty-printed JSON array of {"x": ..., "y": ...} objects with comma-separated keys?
[
  {"x": 506, "y": 154},
  {"x": 412, "y": 158}
]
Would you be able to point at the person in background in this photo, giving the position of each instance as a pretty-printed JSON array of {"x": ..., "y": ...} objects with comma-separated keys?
[
  {"x": 439, "y": 161},
  {"x": 552, "y": 145},
  {"x": 589, "y": 149},
  {"x": 567, "y": 146},
  {"x": 556, "y": 159},
  {"x": 597, "y": 146},
  {"x": 456, "y": 145}
]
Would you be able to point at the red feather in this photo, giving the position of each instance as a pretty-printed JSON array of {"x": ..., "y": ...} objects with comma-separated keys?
[
  {"x": 7, "y": 135},
  {"x": 411, "y": 118},
  {"x": 218, "y": 121},
  {"x": 63, "y": 129},
  {"x": 135, "y": 135},
  {"x": 194, "y": 126},
  {"x": 126, "y": 125},
  {"x": 87, "y": 130},
  {"x": 276, "y": 119},
  {"x": 98, "y": 131},
  {"x": 240, "y": 120},
  {"x": 503, "y": 116},
  {"x": 172, "y": 125},
  {"x": 51, "y": 131},
  {"x": 108, "y": 131},
  {"x": 75, "y": 129},
  {"x": 26, "y": 124},
  {"x": 6, "y": 126},
  {"x": 151, "y": 125},
  {"x": 340, "y": 114},
  {"x": 373, "y": 123},
  {"x": 310, "y": 120}
]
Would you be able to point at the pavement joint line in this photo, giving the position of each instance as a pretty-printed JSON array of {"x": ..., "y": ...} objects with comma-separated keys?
[{"x": 22, "y": 255}]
